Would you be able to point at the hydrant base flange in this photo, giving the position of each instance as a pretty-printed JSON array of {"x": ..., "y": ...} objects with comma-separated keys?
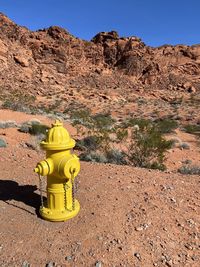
[{"x": 59, "y": 216}]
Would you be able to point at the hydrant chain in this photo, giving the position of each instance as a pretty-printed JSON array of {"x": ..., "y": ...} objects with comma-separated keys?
[
  {"x": 65, "y": 194},
  {"x": 73, "y": 190},
  {"x": 40, "y": 188}
]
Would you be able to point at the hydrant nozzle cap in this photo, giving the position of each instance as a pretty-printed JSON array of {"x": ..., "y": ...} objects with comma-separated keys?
[
  {"x": 36, "y": 170},
  {"x": 57, "y": 138}
]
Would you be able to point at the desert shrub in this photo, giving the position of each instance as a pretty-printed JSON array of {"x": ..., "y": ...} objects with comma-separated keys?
[
  {"x": 3, "y": 143},
  {"x": 81, "y": 117},
  {"x": 103, "y": 121},
  {"x": 18, "y": 101},
  {"x": 101, "y": 134},
  {"x": 192, "y": 129},
  {"x": 121, "y": 134},
  {"x": 7, "y": 124},
  {"x": 34, "y": 142},
  {"x": 33, "y": 128},
  {"x": 148, "y": 147},
  {"x": 116, "y": 156},
  {"x": 38, "y": 129},
  {"x": 93, "y": 157},
  {"x": 189, "y": 169},
  {"x": 24, "y": 127},
  {"x": 131, "y": 122},
  {"x": 166, "y": 125},
  {"x": 88, "y": 143}
]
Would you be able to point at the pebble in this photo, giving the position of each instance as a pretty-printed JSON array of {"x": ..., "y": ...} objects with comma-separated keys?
[
  {"x": 51, "y": 264},
  {"x": 98, "y": 264},
  {"x": 173, "y": 200},
  {"x": 142, "y": 227},
  {"x": 68, "y": 258},
  {"x": 25, "y": 264},
  {"x": 138, "y": 256}
]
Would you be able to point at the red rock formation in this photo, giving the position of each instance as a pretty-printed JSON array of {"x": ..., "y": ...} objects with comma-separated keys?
[{"x": 52, "y": 61}]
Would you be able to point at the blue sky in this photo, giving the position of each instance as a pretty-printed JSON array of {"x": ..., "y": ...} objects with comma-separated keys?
[{"x": 156, "y": 22}]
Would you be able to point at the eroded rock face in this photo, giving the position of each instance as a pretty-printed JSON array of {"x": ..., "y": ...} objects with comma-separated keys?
[{"x": 107, "y": 62}]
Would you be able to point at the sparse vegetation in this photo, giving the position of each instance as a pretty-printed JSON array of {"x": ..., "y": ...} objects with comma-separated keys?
[
  {"x": 147, "y": 148},
  {"x": 18, "y": 101},
  {"x": 34, "y": 128},
  {"x": 102, "y": 136},
  {"x": 189, "y": 169},
  {"x": 192, "y": 129},
  {"x": 166, "y": 125},
  {"x": 7, "y": 124}
]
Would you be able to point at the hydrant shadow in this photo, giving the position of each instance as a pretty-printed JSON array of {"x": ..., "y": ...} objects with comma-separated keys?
[{"x": 11, "y": 190}]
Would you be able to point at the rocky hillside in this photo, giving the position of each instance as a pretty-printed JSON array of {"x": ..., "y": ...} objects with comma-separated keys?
[{"x": 52, "y": 66}]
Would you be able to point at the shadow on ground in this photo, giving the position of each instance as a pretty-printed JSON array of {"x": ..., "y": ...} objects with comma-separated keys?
[{"x": 11, "y": 190}]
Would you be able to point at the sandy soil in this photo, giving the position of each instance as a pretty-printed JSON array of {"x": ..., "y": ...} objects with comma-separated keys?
[{"x": 129, "y": 216}]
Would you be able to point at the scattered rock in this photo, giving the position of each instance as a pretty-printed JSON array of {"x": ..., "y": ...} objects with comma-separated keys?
[
  {"x": 3, "y": 143},
  {"x": 51, "y": 264},
  {"x": 98, "y": 264},
  {"x": 69, "y": 258},
  {"x": 25, "y": 264},
  {"x": 142, "y": 227},
  {"x": 21, "y": 60},
  {"x": 138, "y": 256}
]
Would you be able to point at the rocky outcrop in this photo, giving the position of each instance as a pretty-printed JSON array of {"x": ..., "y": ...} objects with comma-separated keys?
[{"x": 52, "y": 59}]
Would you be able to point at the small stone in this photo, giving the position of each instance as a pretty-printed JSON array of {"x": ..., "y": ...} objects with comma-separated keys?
[
  {"x": 188, "y": 246},
  {"x": 2, "y": 143},
  {"x": 68, "y": 258},
  {"x": 98, "y": 264},
  {"x": 138, "y": 256},
  {"x": 51, "y": 264},
  {"x": 21, "y": 60},
  {"x": 142, "y": 227},
  {"x": 190, "y": 222},
  {"x": 173, "y": 200},
  {"x": 25, "y": 264}
]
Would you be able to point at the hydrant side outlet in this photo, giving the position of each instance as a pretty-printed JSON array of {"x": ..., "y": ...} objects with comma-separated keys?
[{"x": 61, "y": 167}]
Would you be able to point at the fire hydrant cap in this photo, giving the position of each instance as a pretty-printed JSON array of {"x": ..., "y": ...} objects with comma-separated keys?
[{"x": 57, "y": 138}]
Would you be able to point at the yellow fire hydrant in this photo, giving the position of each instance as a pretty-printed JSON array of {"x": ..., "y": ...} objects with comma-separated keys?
[{"x": 60, "y": 167}]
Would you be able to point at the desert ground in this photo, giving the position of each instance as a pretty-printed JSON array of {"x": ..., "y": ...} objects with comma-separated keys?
[{"x": 129, "y": 216}]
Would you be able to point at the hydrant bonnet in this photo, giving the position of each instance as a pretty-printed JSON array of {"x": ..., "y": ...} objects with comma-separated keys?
[{"x": 57, "y": 138}]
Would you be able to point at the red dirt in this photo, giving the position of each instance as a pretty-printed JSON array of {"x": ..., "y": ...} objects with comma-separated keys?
[{"x": 129, "y": 216}]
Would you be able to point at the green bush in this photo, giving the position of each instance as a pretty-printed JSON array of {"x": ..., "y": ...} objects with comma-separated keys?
[
  {"x": 101, "y": 134},
  {"x": 103, "y": 121},
  {"x": 192, "y": 129},
  {"x": 33, "y": 128},
  {"x": 147, "y": 148},
  {"x": 116, "y": 156},
  {"x": 88, "y": 143},
  {"x": 189, "y": 169},
  {"x": 93, "y": 157},
  {"x": 166, "y": 125},
  {"x": 18, "y": 101},
  {"x": 37, "y": 129},
  {"x": 82, "y": 117},
  {"x": 8, "y": 124},
  {"x": 131, "y": 122}
]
